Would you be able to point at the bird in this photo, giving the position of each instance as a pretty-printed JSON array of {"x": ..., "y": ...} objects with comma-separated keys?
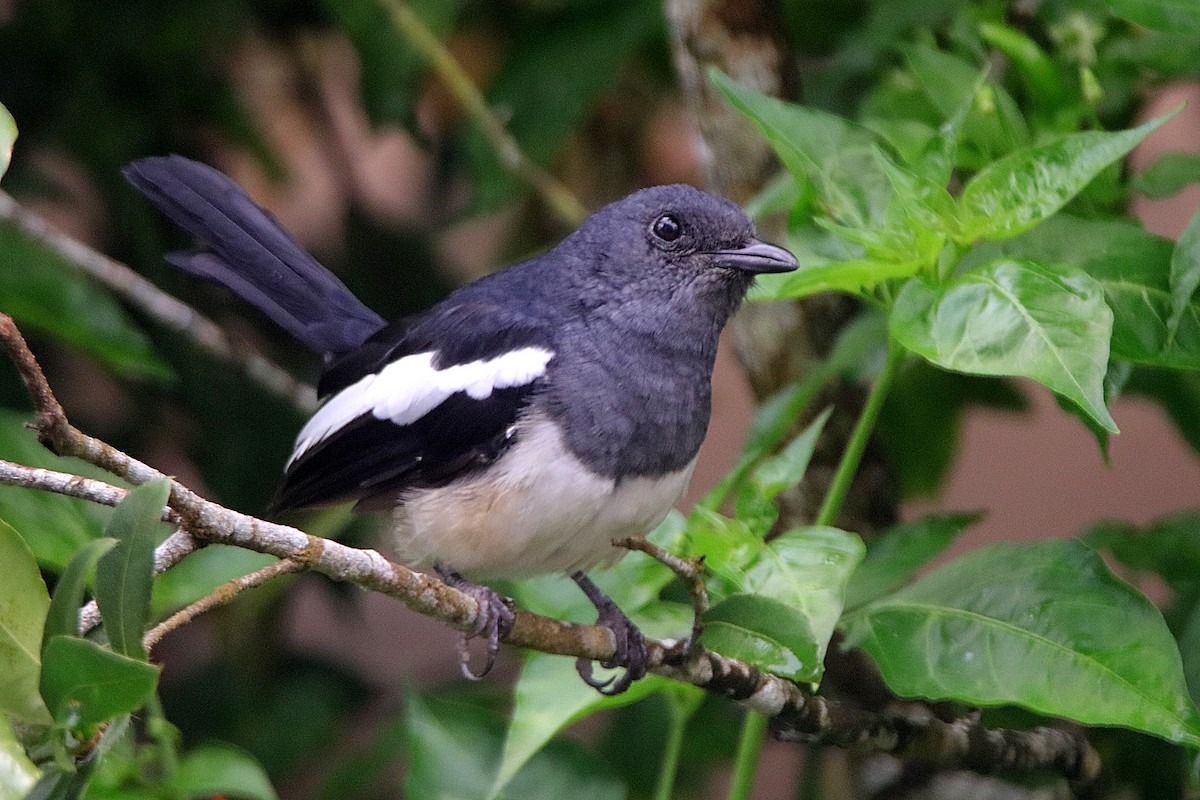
[{"x": 521, "y": 424}]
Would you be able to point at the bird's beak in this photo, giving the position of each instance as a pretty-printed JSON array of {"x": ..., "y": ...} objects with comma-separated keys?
[{"x": 756, "y": 257}]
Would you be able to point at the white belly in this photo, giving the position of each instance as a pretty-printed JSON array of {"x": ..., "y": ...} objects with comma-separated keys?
[{"x": 537, "y": 510}]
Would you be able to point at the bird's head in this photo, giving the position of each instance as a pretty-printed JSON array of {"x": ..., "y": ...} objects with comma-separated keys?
[{"x": 677, "y": 240}]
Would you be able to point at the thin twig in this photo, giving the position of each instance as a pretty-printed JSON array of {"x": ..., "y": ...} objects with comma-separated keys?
[
  {"x": 557, "y": 196},
  {"x": 795, "y": 713},
  {"x": 691, "y": 571},
  {"x": 158, "y": 305},
  {"x": 219, "y": 597}
]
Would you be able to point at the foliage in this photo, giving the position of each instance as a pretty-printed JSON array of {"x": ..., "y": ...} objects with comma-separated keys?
[{"x": 957, "y": 169}]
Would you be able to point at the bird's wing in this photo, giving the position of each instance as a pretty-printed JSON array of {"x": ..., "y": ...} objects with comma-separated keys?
[{"x": 419, "y": 404}]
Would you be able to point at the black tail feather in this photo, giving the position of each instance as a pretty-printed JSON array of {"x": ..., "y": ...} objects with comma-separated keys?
[{"x": 252, "y": 254}]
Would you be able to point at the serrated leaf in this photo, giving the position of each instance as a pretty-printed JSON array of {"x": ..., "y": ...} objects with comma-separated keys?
[
  {"x": 893, "y": 559},
  {"x": 764, "y": 632},
  {"x": 62, "y": 618},
  {"x": 1012, "y": 317},
  {"x": 125, "y": 574},
  {"x": 1015, "y": 193},
  {"x": 83, "y": 684},
  {"x": 1170, "y": 16},
  {"x": 17, "y": 773},
  {"x": 24, "y": 602},
  {"x": 221, "y": 770},
  {"x": 1045, "y": 626}
]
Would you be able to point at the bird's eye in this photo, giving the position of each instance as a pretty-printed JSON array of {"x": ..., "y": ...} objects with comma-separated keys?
[{"x": 667, "y": 227}]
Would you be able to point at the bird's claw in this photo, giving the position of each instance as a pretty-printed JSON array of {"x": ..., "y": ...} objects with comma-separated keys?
[
  {"x": 629, "y": 651},
  {"x": 493, "y": 622}
]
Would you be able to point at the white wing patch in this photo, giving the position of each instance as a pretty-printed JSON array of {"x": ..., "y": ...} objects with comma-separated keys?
[{"x": 408, "y": 389}]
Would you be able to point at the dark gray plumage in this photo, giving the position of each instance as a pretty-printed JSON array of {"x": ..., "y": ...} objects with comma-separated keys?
[{"x": 525, "y": 421}]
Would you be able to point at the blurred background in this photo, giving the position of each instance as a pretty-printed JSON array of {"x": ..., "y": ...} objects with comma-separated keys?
[{"x": 330, "y": 118}]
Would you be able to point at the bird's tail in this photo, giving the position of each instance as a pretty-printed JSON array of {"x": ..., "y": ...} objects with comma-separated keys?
[{"x": 248, "y": 250}]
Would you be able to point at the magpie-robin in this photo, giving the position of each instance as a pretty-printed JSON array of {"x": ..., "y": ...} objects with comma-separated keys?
[{"x": 525, "y": 421}]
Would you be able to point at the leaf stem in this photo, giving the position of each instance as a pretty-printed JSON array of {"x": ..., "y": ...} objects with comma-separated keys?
[
  {"x": 848, "y": 466},
  {"x": 750, "y": 742},
  {"x": 677, "y": 720}
]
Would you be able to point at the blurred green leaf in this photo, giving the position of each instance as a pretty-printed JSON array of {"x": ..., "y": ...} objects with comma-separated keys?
[
  {"x": 1185, "y": 279},
  {"x": 221, "y": 770},
  {"x": 1171, "y": 16},
  {"x": 44, "y": 293},
  {"x": 24, "y": 602},
  {"x": 53, "y": 526},
  {"x": 201, "y": 572},
  {"x": 1167, "y": 175},
  {"x": 62, "y": 618},
  {"x": 764, "y": 632},
  {"x": 583, "y": 48},
  {"x": 83, "y": 684},
  {"x": 8, "y": 136},
  {"x": 391, "y": 71},
  {"x": 125, "y": 573},
  {"x": 1168, "y": 547},
  {"x": 1013, "y": 194},
  {"x": 453, "y": 749},
  {"x": 755, "y": 500},
  {"x": 922, "y": 418},
  {"x": 17, "y": 772},
  {"x": 1045, "y": 626},
  {"x": 894, "y": 558},
  {"x": 1010, "y": 317},
  {"x": 1178, "y": 393},
  {"x": 534, "y": 722}
]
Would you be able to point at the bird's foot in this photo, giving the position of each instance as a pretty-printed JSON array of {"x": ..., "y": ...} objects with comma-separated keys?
[
  {"x": 630, "y": 651},
  {"x": 493, "y": 622}
]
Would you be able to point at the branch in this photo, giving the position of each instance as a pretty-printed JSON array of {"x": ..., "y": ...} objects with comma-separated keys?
[
  {"x": 556, "y": 196},
  {"x": 795, "y": 713},
  {"x": 158, "y": 305},
  {"x": 691, "y": 572}
]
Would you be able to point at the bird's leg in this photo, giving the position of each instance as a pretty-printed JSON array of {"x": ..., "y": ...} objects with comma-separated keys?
[
  {"x": 494, "y": 621},
  {"x": 630, "y": 651}
]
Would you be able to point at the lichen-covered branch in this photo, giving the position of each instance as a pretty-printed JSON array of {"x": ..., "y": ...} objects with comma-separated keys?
[{"x": 795, "y": 712}]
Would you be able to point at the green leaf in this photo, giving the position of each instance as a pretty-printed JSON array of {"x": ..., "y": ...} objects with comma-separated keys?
[
  {"x": 764, "y": 632},
  {"x": 1185, "y": 278},
  {"x": 83, "y": 684},
  {"x": 534, "y": 722},
  {"x": 8, "y": 136},
  {"x": 837, "y": 276},
  {"x": 1178, "y": 393},
  {"x": 1167, "y": 175},
  {"x": 23, "y": 606},
  {"x": 45, "y": 293},
  {"x": 755, "y": 503},
  {"x": 1133, "y": 267},
  {"x": 996, "y": 127},
  {"x": 922, "y": 419},
  {"x": 17, "y": 773},
  {"x": 221, "y": 769},
  {"x": 583, "y": 48},
  {"x": 53, "y": 526},
  {"x": 453, "y": 749},
  {"x": 894, "y": 558},
  {"x": 1169, "y": 16},
  {"x": 1168, "y": 547},
  {"x": 62, "y": 618},
  {"x": 1045, "y": 626},
  {"x": 125, "y": 574},
  {"x": 1015, "y": 193},
  {"x": 201, "y": 572},
  {"x": 1012, "y": 317}
]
